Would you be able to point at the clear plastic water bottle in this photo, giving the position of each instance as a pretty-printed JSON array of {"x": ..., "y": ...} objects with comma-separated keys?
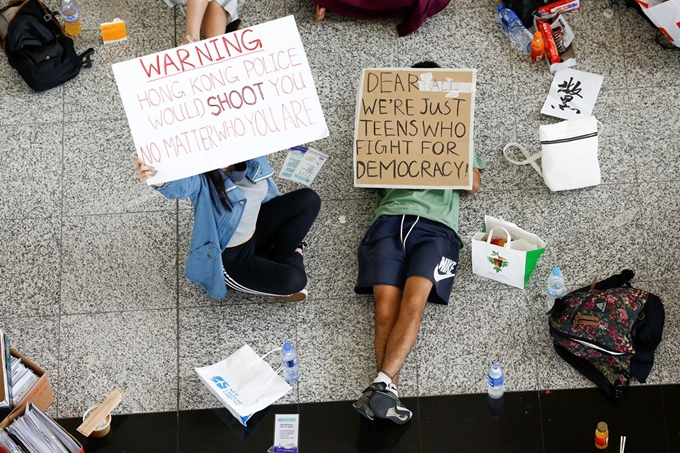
[
  {"x": 289, "y": 361},
  {"x": 496, "y": 379},
  {"x": 515, "y": 27},
  {"x": 555, "y": 287},
  {"x": 71, "y": 14}
]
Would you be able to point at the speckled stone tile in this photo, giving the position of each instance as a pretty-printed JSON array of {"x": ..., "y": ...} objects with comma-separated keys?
[
  {"x": 29, "y": 267},
  {"x": 459, "y": 45},
  {"x": 93, "y": 95},
  {"x": 653, "y": 131},
  {"x": 336, "y": 344},
  {"x": 331, "y": 258},
  {"x": 660, "y": 208},
  {"x": 133, "y": 351},
  {"x": 336, "y": 66},
  {"x": 99, "y": 176},
  {"x": 506, "y": 205},
  {"x": 30, "y": 177},
  {"x": 588, "y": 232},
  {"x": 209, "y": 335},
  {"x": 459, "y": 342},
  {"x": 304, "y": 12},
  {"x": 647, "y": 63},
  {"x": 19, "y": 101},
  {"x": 121, "y": 262},
  {"x": 336, "y": 178},
  {"x": 665, "y": 369},
  {"x": 139, "y": 17},
  {"x": 38, "y": 340},
  {"x": 494, "y": 127}
]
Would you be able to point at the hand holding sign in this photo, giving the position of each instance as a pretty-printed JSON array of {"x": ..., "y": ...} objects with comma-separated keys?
[{"x": 220, "y": 101}]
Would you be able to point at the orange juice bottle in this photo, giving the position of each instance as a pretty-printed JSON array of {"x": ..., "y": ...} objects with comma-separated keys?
[
  {"x": 71, "y": 15},
  {"x": 602, "y": 436},
  {"x": 537, "y": 47}
]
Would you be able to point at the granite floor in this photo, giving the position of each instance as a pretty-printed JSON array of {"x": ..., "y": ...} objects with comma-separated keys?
[{"x": 92, "y": 261}]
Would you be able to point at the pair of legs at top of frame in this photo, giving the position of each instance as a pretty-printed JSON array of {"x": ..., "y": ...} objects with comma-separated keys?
[{"x": 210, "y": 18}]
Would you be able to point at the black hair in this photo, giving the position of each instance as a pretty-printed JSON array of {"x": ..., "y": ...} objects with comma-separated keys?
[
  {"x": 218, "y": 194},
  {"x": 426, "y": 64},
  {"x": 215, "y": 180}
]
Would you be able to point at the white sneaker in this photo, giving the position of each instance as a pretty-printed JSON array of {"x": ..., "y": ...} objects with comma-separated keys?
[{"x": 295, "y": 297}]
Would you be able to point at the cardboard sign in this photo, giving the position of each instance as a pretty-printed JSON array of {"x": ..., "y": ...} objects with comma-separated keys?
[
  {"x": 414, "y": 128},
  {"x": 220, "y": 101}
]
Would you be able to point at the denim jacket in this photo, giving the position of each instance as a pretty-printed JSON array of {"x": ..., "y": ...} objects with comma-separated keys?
[{"x": 213, "y": 228}]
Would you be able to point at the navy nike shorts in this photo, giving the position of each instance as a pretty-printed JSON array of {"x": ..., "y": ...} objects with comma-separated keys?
[{"x": 397, "y": 247}]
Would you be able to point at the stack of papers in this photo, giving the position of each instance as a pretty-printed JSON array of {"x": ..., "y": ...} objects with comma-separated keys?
[
  {"x": 37, "y": 433},
  {"x": 23, "y": 380},
  {"x": 5, "y": 373}
]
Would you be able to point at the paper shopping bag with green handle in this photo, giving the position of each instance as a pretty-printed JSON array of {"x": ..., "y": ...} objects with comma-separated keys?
[{"x": 504, "y": 252}]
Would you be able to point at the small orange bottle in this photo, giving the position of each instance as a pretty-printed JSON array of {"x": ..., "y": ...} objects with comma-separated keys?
[
  {"x": 602, "y": 436},
  {"x": 537, "y": 47}
]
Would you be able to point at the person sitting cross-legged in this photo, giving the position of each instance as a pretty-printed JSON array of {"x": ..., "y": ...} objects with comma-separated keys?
[{"x": 408, "y": 257}]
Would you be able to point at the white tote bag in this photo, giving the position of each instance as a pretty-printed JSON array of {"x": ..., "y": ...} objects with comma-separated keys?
[
  {"x": 244, "y": 382},
  {"x": 569, "y": 154},
  {"x": 511, "y": 263}
]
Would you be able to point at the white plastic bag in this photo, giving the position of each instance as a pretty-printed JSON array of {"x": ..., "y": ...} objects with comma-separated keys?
[{"x": 244, "y": 383}]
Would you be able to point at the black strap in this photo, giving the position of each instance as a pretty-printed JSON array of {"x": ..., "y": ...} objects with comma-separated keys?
[
  {"x": 615, "y": 281},
  {"x": 613, "y": 391},
  {"x": 85, "y": 58}
]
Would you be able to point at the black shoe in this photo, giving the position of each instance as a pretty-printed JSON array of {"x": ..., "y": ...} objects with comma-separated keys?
[
  {"x": 385, "y": 404},
  {"x": 363, "y": 404},
  {"x": 303, "y": 245}
]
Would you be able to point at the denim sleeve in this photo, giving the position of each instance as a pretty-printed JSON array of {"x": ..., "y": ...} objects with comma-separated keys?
[{"x": 182, "y": 188}]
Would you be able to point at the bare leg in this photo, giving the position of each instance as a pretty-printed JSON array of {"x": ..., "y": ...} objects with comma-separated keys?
[
  {"x": 405, "y": 331},
  {"x": 387, "y": 302},
  {"x": 215, "y": 20},
  {"x": 195, "y": 13}
]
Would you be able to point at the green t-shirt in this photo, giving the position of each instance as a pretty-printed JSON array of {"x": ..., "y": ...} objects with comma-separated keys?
[{"x": 439, "y": 205}]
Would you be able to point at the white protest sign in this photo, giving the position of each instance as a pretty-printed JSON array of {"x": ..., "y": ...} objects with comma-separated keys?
[
  {"x": 572, "y": 94},
  {"x": 220, "y": 101}
]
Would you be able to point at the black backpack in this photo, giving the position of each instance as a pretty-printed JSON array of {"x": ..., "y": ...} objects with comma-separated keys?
[
  {"x": 612, "y": 325},
  {"x": 37, "y": 47}
]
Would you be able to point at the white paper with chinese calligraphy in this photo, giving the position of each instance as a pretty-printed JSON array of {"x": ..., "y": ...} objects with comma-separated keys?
[
  {"x": 572, "y": 94},
  {"x": 222, "y": 100}
]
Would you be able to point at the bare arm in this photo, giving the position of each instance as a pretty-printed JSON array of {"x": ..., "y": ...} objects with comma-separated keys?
[{"x": 476, "y": 180}]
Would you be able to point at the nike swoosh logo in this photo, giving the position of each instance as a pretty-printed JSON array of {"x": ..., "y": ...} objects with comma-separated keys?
[
  {"x": 392, "y": 413},
  {"x": 438, "y": 276}
]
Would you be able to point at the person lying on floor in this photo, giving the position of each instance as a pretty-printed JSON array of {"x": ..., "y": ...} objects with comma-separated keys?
[
  {"x": 413, "y": 12},
  {"x": 246, "y": 236},
  {"x": 407, "y": 258},
  {"x": 212, "y": 17}
]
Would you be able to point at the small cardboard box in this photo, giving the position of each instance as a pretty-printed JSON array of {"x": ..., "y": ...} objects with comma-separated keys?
[
  {"x": 569, "y": 54},
  {"x": 18, "y": 413},
  {"x": 41, "y": 394}
]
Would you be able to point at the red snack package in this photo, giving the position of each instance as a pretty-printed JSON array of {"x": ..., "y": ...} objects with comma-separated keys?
[{"x": 550, "y": 47}]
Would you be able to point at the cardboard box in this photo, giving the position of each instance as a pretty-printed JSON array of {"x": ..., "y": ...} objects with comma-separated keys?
[
  {"x": 569, "y": 54},
  {"x": 18, "y": 413},
  {"x": 41, "y": 394}
]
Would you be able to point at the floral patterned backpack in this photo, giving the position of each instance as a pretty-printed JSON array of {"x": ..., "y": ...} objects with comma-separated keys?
[{"x": 608, "y": 327}]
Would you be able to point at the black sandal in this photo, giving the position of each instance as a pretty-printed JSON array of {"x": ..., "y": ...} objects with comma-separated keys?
[{"x": 233, "y": 26}]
